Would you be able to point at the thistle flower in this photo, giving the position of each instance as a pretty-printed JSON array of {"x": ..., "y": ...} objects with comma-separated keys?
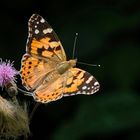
[
  {"x": 14, "y": 120},
  {"x": 7, "y": 73}
]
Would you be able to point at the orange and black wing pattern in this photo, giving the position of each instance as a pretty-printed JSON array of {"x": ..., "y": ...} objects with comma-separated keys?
[
  {"x": 33, "y": 71},
  {"x": 43, "y": 52},
  {"x": 42, "y": 40}
]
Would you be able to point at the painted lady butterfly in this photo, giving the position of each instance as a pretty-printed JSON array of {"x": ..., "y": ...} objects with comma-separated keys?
[{"x": 45, "y": 70}]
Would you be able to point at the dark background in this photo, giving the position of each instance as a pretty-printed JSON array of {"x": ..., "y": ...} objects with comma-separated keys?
[{"x": 109, "y": 36}]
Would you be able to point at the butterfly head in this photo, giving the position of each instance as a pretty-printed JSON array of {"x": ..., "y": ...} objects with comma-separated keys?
[{"x": 72, "y": 62}]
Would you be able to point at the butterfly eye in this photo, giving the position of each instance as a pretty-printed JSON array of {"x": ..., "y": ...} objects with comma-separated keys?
[{"x": 73, "y": 62}]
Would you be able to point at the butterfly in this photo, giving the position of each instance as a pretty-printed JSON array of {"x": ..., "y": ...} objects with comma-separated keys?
[{"x": 45, "y": 70}]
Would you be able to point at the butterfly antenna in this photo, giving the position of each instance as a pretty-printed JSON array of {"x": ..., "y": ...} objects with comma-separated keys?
[
  {"x": 73, "y": 54},
  {"x": 74, "y": 45},
  {"x": 83, "y": 63}
]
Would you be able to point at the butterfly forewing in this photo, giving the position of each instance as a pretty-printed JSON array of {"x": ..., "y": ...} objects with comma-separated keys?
[
  {"x": 43, "y": 41},
  {"x": 43, "y": 52}
]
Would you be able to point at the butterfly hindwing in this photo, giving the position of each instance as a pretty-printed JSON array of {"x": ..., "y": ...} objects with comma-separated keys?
[
  {"x": 43, "y": 41},
  {"x": 81, "y": 82},
  {"x": 74, "y": 81}
]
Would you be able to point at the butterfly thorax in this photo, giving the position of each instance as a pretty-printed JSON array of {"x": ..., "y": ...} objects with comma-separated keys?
[
  {"x": 64, "y": 66},
  {"x": 60, "y": 69}
]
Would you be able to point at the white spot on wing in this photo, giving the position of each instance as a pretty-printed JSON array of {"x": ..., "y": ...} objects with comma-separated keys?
[
  {"x": 36, "y": 31},
  {"x": 72, "y": 94},
  {"x": 48, "y": 30},
  {"x": 42, "y": 20},
  {"x": 78, "y": 92},
  {"x": 89, "y": 79},
  {"x": 96, "y": 83},
  {"x": 29, "y": 28},
  {"x": 84, "y": 87}
]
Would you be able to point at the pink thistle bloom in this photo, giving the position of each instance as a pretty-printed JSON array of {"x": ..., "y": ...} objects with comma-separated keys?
[{"x": 7, "y": 73}]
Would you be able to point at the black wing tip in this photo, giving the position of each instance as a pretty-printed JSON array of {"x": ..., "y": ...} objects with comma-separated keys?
[
  {"x": 33, "y": 18},
  {"x": 35, "y": 15}
]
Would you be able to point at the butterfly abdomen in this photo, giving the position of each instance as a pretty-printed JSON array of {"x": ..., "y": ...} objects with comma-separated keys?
[{"x": 52, "y": 76}]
